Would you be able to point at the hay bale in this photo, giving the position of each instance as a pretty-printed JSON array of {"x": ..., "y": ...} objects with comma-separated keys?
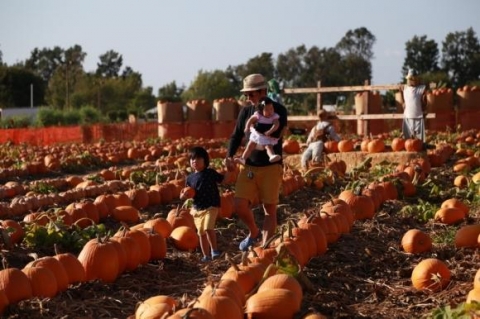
[{"x": 353, "y": 159}]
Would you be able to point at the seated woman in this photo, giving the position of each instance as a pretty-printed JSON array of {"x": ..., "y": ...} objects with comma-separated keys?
[{"x": 320, "y": 133}]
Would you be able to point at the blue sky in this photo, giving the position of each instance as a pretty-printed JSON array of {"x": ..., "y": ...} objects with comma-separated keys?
[{"x": 172, "y": 40}]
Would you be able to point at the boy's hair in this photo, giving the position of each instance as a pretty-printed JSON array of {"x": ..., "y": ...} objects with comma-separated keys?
[
  {"x": 263, "y": 101},
  {"x": 200, "y": 152}
]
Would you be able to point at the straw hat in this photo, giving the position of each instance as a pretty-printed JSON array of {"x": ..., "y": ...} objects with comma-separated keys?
[
  {"x": 253, "y": 82},
  {"x": 412, "y": 75}
]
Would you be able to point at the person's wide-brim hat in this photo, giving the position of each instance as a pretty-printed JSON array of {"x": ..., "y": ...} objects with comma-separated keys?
[
  {"x": 412, "y": 75},
  {"x": 254, "y": 82}
]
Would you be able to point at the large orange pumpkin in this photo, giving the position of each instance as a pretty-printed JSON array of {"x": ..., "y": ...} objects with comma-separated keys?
[
  {"x": 431, "y": 274},
  {"x": 415, "y": 241},
  {"x": 291, "y": 146},
  {"x": 100, "y": 260},
  {"x": 184, "y": 238},
  {"x": 16, "y": 284}
]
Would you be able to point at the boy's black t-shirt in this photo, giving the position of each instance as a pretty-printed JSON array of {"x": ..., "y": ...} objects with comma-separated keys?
[{"x": 205, "y": 184}]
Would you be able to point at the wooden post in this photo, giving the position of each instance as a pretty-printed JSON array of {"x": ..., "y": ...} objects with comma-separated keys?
[
  {"x": 319, "y": 97},
  {"x": 366, "y": 94}
]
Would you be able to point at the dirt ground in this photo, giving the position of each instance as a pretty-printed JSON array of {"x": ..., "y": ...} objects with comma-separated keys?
[{"x": 363, "y": 275}]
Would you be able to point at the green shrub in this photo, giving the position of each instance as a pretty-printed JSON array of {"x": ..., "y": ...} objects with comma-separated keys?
[
  {"x": 49, "y": 117},
  {"x": 71, "y": 117},
  {"x": 20, "y": 121},
  {"x": 90, "y": 115}
]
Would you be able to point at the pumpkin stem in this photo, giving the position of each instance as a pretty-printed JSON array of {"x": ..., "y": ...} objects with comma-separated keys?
[
  {"x": 232, "y": 262},
  {"x": 271, "y": 239}
]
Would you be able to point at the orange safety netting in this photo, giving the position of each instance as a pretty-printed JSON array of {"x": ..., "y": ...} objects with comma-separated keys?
[{"x": 80, "y": 134}]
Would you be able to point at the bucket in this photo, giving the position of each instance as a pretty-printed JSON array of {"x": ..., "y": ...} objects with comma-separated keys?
[
  {"x": 199, "y": 129},
  {"x": 171, "y": 131},
  {"x": 442, "y": 120},
  {"x": 225, "y": 109},
  {"x": 199, "y": 110},
  {"x": 374, "y": 103},
  {"x": 469, "y": 99},
  {"x": 169, "y": 112},
  {"x": 223, "y": 129},
  {"x": 440, "y": 100},
  {"x": 468, "y": 119}
]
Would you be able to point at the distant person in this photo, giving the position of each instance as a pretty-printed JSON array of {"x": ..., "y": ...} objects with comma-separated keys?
[
  {"x": 274, "y": 91},
  {"x": 261, "y": 125},
  {"x": 259, "y": 179},
  {"x": 414, "y": 107},
  {"x": 206, "y": 201},
  {"x": 320, "y": 133}
]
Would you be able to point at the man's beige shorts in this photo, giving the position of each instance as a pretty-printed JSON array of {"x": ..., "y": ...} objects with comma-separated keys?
[{"x": 263, "y": 186}]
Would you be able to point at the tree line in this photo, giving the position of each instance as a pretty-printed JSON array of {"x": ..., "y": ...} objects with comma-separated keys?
[{"x": 113, "y": 90}]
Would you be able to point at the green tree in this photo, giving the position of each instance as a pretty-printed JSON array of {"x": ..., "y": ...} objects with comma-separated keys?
[
  {"x": 45, "y": 61},
  {"x": 142, "y": 101},
  {"x": 290, "y": 66},
  {"x": 1, "y": 57},
  {"x": 461, "y": 57},
  {"x": 262, "y": 64},
  {"x": 61, "y": 85},
  {"x": 110, "y": 64},
  {"x": 171, "y": 92},
  {"x": 15, "y": 87},
  {"x": 358, "y": 42},
  {"x": 210, "y": 86},
  {"x": 422, "y": 55}
]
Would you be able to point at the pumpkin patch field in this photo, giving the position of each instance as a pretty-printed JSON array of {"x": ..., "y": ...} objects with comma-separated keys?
[{"x": 382, "y": 228}]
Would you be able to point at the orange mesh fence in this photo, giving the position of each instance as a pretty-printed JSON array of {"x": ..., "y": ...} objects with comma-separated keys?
[
  {"x": 80, "y": 134},
  {"x": 468, "y": 119}
]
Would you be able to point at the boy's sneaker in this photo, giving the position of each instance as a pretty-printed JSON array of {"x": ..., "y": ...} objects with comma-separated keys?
[
  {"x": 249, "y": 241},
  {"x": 206, "y": 259},
  {"x": 216, "y": 254}
]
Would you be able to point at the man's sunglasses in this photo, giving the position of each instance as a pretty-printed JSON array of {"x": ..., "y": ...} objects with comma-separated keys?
[{"x": 249, "y": 94}]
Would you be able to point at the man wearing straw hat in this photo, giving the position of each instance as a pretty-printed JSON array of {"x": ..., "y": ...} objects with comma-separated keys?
[
  {"x": 414, "y": 106},
  {"x": 259, "y": 179}
]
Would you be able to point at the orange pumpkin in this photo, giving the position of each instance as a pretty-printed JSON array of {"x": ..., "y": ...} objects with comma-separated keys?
[
  {"x": 456, "y": 203},
  {"x": 345, "y": 146},
  {"x": 272, "y": 303},
  {"x": 291, "y": 146},
  {"x": 192, "y": 313},
  {"x": 100, "y": 260},
  {"x": 43, "y": 281},
  {"x": 413, "y": 145},
  {"x": 431, "y": 274},
  {"x": 16, "y": 284},
  {"x": 449, "y": 215},
  {"x": 56, "y": 267},
  {"x": 415, "y": 241},
  {"x": 187, "y": 193},
  {"x": 160, "y": 225},
  {"x": 184, "y": 238},
  {"x": 128, "y": 214},
  {"x": 376, "y": 146},
  {"x": 398, "y": 144},
  {"x": 467, "y": 236}
]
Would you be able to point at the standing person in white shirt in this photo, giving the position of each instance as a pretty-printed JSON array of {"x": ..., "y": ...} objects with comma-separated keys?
[{"x": 414, "y": 107}]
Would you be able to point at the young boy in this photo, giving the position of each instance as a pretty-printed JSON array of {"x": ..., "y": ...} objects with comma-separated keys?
[
  {"x": 206, "y": 201},
  {"x": 261, "y": 125}
]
